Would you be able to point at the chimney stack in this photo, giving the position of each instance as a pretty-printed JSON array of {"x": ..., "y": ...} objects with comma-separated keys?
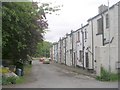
[{"x": 102, "y": 8}]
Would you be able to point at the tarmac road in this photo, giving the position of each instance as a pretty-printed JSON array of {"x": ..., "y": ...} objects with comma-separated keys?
[{"x": 51, "y": 76}]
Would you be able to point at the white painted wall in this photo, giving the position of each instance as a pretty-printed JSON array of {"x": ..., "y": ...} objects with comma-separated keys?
[
  {"x": 68, "y": 47},
  {"x": 103, "y": 58},
  {"x": 59, "y": 50},
  {"x": 100, "y": 52},
  {"x": 74, "y": 49},
  {"x": 89, "y": 44},
  {"x": 55, "y": 52},
  {"x": 85, "y": 43},
  {"x": 119, "y": 32}
]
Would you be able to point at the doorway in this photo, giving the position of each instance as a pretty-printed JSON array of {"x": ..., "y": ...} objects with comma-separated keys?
[{"x": 87, "y": 60}]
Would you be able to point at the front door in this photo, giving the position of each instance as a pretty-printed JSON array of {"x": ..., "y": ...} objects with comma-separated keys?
[
  {"x": 87, "y": 60},
  {"x": 74, "y": 59}
]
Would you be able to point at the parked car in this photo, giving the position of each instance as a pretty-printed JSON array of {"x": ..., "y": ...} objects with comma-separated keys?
[
  {"x": 46, "y": 61},
  {"x": 42, "y": 59},
  {"x": 49, "y": 59}
]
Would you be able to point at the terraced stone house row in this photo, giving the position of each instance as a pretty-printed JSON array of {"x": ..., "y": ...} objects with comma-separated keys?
[{"x": 94, "y": 45}]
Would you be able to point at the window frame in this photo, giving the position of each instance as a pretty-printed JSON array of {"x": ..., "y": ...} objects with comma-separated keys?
[{"x": 99, "y": 26}]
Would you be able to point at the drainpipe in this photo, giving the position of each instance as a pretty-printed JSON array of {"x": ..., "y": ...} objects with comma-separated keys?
[
  {"x": 60, "y": 50},
  {"x": 65, "y": 51},
  {"x": 82, "y": 43},
  {"x": 57, "y": 53},
  {"x": 102, "y": 30},
  {"x": 72, "y": 46},
  {"x": 92, "y": 46}
]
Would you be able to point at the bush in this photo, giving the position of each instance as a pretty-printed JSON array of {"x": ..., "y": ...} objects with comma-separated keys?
[
  {"x": 8, "y": 80},
  {"x": 107, "y": 76},
  {"x": 4, "y": 70},
  {"x": 20, "y": 80}
]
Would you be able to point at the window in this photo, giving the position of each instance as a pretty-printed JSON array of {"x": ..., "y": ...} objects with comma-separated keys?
[
  {"x": 85, "y": 34},
  {"x": 71, "y": 38},
  {"x": 71, "y": 51},
  {"x": 80, "y": 56},
  {"x": 78, "y": 39},
  {"x": 100, "y": 26},
  {"x": 107, "y": 21}
]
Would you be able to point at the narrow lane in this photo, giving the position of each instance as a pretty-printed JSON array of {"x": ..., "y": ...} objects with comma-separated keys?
[{"x": 50, "y": 76}]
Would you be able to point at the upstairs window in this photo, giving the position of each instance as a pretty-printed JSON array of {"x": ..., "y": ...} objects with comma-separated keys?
[
  {"x": 107, "y": 21},
  {"x": 78, "y": 39},
  {"x": 81, "y": 56},
  {"x": 85, "y": 34},
  {"x": 100, "y": 26},
  {"x": 71, "y": 38}
]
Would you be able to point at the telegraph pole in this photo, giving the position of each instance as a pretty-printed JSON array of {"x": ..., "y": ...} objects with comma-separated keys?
[{"x": 109, "y": 37}]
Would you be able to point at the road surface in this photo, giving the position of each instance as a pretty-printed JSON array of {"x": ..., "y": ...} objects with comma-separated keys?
[{"x": 51, "y": 76}]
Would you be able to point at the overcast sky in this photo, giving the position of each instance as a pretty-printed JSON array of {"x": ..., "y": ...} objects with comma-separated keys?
[{"x": 72, "y": 15}]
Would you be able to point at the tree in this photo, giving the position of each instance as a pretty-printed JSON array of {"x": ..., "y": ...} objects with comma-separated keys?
[
  {"x": 0, "y": 31},
  {"x": 43, "y": 49},
  {"x": 22, "y": 26}
]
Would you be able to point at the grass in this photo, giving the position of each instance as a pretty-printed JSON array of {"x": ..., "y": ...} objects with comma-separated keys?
[
  {"x": 114, "y": 77},
  {"x": 22, "y": 79},
  {"x": 106, "y": 76},
  {"x": 0, "y": 80},
  {"x": 27, "y": 69}
]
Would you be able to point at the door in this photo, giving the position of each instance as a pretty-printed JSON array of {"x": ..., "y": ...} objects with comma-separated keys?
[
  {"x": 87, "y": 60},
  {"x": 74, "y": 59}
]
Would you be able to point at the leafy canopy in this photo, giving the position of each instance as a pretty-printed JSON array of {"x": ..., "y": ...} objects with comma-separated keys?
[{"x": 22, "y": 26}]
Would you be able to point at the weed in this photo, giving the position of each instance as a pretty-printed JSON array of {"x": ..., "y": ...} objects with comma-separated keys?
[
  {"x": 107, "y": 76},
  {"x": 20, "y": 80},
  {"x": 8, "y": 80}
]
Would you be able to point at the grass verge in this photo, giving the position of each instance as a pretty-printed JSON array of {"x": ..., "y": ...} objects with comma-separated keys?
[{"x": 22, "y": 79}]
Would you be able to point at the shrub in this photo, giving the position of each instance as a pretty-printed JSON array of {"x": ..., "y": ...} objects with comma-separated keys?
[
  {"x": 8, "y": 80},
  {"x": 4, "y": 70},
  {"x": 20, "y": 80},
  {"x": 107, "y": 76}
]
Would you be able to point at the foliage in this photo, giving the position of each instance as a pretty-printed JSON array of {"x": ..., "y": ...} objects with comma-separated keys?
[
  {"x": 107, "y": 76},
  {"x": 15, "y": 80},
  {"x": 43, "y": 49},
  {"x": 114, "y": 77},
  {"x": 49, "y": 8},
  {"x": 27, "y": 71},
  {"x": 22, "y": 27},
  {"x": 0, "y": 80},
  {"x": 0, "y": 30},
  {"x": 4, "y": 70},
  {"x": 8, "y": 80},
  {"x": 20, "y": 80}
]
